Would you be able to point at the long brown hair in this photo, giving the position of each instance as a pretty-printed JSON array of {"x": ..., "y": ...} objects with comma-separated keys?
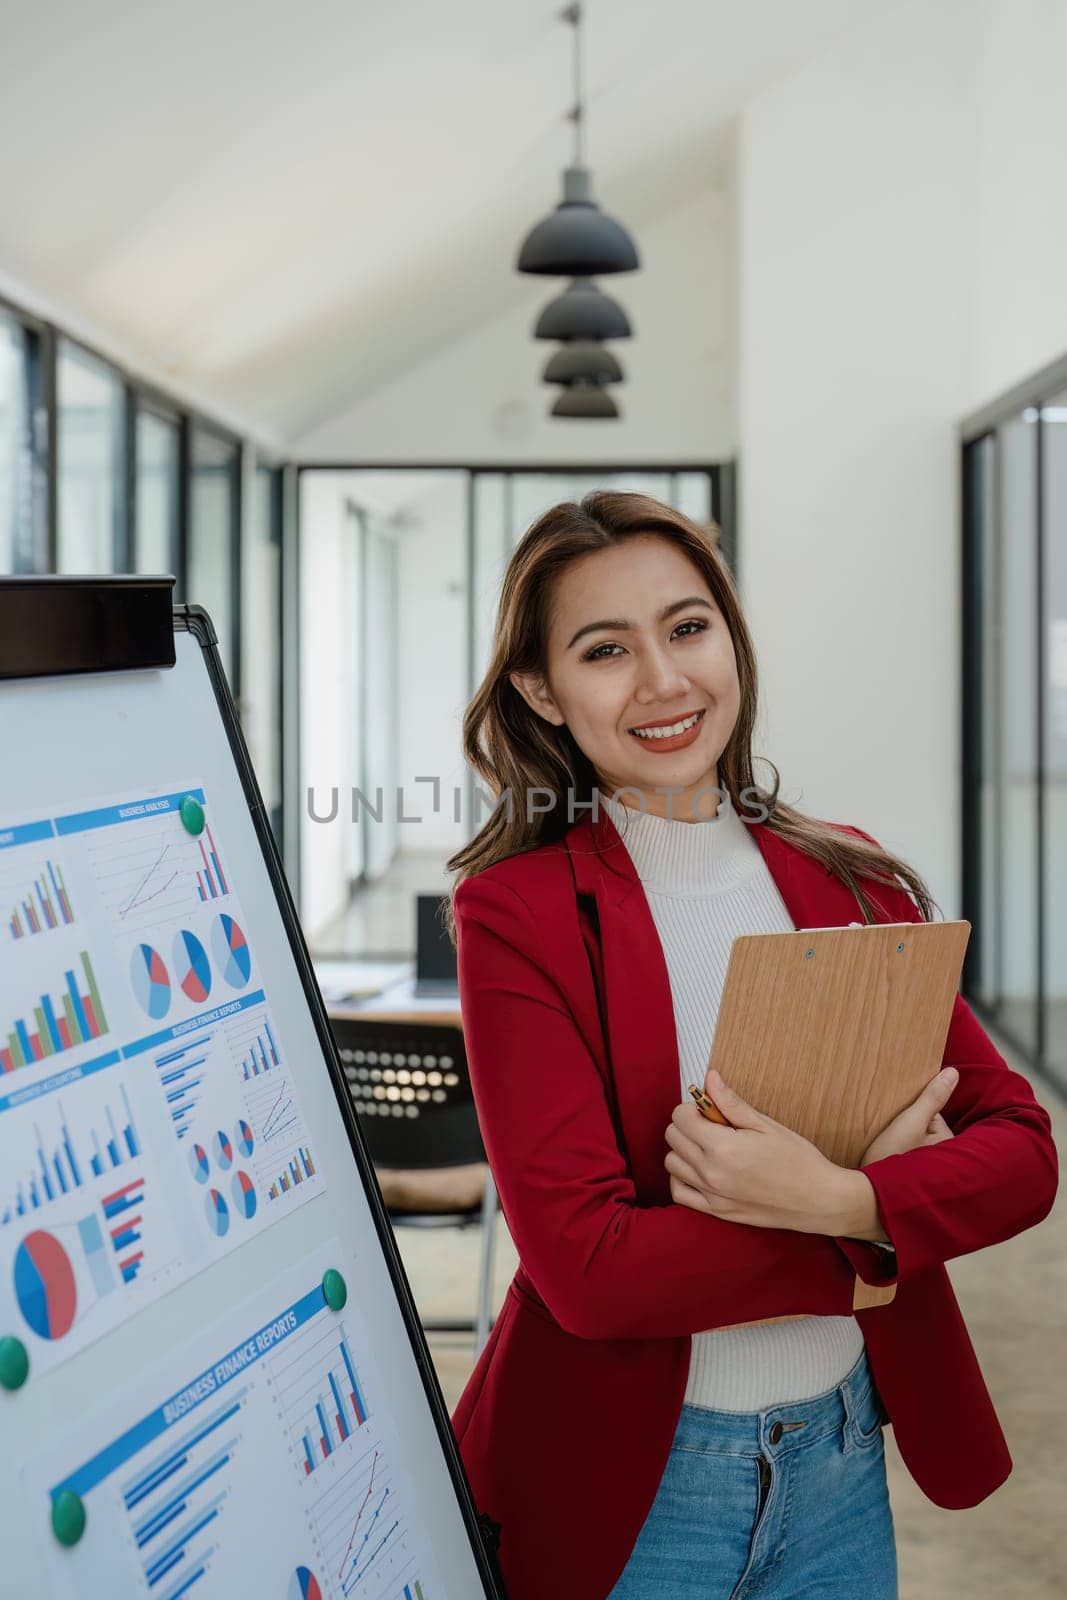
[{"x": 515, "y": 751}]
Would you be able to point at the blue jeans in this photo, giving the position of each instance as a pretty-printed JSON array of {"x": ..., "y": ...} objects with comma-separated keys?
[{"x": 788, "y": 1503}]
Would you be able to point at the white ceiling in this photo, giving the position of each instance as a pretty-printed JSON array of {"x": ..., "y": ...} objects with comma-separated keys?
[{"x": 281, "y": 208}]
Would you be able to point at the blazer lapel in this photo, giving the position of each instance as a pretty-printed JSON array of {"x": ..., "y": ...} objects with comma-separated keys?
[{"x": 637, "y": 1007}]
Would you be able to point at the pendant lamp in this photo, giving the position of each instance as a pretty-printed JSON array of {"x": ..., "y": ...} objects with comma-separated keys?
[
  {"x": 577, "y": 239},
  {"x": 582, "y": 361},
  {"x": 583, "y": 311},
  {"x": 589, "y": 400}
]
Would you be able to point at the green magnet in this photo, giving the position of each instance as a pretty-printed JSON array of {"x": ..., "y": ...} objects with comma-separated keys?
[
  {"x": 14, "y": 1363},
  {"x": 68, "y": 1516},
  {"x": 192, "y": 814},
  {"x": 334, "y": 1289}
]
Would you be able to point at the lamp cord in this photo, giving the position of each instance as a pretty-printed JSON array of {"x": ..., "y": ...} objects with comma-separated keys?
[{"x": 572, "y": 14}]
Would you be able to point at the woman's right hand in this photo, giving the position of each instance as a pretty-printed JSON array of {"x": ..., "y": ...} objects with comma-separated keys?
[{"x": 917, "y": 1125}]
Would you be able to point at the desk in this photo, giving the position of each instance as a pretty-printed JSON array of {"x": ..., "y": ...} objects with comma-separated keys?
[{"x": 395, "y": 1000}]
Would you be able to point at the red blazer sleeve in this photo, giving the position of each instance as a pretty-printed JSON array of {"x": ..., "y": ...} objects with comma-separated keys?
[
  {"x": 605, "y": 1266},
  {"x": 997, "y": 1177}
]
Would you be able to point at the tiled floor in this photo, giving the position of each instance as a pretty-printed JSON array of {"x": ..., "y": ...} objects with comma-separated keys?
[{"x": 1014, "y": 1298}]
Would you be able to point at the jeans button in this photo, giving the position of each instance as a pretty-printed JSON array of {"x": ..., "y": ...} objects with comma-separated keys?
[{"x": 775, "y": 1433}]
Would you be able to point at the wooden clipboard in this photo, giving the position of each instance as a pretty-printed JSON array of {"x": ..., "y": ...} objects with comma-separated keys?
[{"x": 833, "y": 1031}]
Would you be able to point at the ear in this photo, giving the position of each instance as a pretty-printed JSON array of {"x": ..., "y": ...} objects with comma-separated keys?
[{"x": 535, "y": 691}]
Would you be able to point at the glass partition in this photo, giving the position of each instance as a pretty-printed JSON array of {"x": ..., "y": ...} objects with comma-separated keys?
[
  {"x": 23, "y": 450},
  {"x": 1015, "y": 718},
  {"x": 1054, "y": 732},
  {"x": 400, "y": 576},
  {"x": 261, "y": 640},
  {"x": 1015, "y": 661},
  {"x": 91, "y": 463},
  {"x": 214, "y": 513},
  {"x": 156, "y": 491}
]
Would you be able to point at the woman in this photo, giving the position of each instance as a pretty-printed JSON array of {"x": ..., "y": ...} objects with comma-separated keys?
[{"x": 623, "y": 1431}]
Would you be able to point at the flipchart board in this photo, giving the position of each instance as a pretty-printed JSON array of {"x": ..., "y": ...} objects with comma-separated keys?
[{"x": 212, "y": 1378}]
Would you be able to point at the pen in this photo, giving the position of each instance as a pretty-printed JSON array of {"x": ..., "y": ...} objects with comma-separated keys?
[{"x": 708, "y": 1108}]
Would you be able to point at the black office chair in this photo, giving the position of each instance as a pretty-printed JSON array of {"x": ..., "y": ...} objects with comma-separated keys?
[{"x": 411, "y": 1090}]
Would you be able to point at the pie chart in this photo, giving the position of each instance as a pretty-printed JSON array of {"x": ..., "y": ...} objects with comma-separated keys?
[
  {"x": 230, "y": 949},
  {"x": 223, "y": 1150},
  {"x": 44, "y": 1285},
  {"x": 151, "y": 981},
  {"x": 191, "y": 966},
  {"x": 218, "y": 1213},
  {"x": 244, "y": 1195},
  {"x": 199, "y": 1163},
  {"x": 245, "y": 1141},
  {"x": 304, "y": 1585}
]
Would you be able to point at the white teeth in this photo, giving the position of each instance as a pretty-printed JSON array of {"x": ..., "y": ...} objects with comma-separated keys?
[{"x": 667, "y": 733}]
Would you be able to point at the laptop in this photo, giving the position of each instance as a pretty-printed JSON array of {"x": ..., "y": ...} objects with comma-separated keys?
[{"x": 435, "y": 959}]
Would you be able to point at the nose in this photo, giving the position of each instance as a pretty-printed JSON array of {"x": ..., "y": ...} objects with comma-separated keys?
[{"x": 660, "y": 678}]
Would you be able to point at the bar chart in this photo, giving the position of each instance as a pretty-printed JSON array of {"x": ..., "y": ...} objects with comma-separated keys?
[
  {"x": 59, "y": 1022},
  {"x": 261, "y": 1054},
  {"x": 45, "y": 905},
  {"x": 210, "y": 879},
  {"x": 182, "y": 1071},
  {"x": 298, "y": 1170},
  {"x": 124, "y": 1215},
  {"x": 320, "y": 1394},
  {"x": 175, "y": 1499},
  {"x": 64, "y": 1161}
]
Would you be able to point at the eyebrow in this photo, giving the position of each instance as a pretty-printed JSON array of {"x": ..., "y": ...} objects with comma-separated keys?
[{"x": 619, "y": 624}]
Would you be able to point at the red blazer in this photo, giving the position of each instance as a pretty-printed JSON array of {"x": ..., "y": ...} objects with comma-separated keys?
[{"x": 565, "y": 1425}]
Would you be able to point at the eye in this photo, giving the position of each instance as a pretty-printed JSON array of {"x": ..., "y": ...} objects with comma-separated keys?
[{"x": 698, "y": 623}]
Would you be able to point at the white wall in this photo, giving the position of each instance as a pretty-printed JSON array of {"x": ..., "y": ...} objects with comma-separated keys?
[
  {"x": 857, "y": 206},
  {"x": 481, "y": 399},
  {"x": 901, "y": 242},
  {"x": 1021, "y": 245}
]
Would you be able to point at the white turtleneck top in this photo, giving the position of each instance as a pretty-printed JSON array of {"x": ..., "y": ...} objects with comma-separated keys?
[{"x": 706, "y": 882}]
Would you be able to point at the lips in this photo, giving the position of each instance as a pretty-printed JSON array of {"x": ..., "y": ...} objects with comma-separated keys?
[{"x": 668, "y": 722}]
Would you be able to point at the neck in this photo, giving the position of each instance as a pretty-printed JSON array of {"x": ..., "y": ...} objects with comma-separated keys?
[
  {"x": 699, "y": 802},
  {"x": 673, "y": 859}
]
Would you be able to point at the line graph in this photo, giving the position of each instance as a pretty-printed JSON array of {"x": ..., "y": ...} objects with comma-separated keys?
[
  {"x": 360, "y": 1528},
  {"x": 152, "y": 873},
  {"x": 281, "y": 1115},
  {"x": 281, "y": 1158}
]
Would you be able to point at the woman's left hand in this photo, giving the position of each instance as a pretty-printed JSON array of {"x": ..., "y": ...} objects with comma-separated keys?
[{"x": 758, "y": 1171}]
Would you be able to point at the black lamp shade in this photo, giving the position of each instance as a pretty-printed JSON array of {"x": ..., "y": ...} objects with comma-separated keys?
[
  {"x": 583, "y": 311},
  {"x": 589, "y": 400},
  {"x": 577, "y": 238},
  {"x": 582, "y": 360}
]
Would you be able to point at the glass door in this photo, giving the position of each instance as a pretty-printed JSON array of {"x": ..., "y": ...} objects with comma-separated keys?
[
  {"x": 1015, "y": 719},
  {"x": 1053, "y": 637}
]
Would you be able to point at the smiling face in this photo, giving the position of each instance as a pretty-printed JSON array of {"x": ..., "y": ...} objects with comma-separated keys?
[{"x": 636, "y": 640}]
